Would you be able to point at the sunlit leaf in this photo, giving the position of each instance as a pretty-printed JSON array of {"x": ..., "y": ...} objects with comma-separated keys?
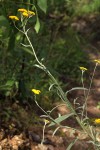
[
  {"x": 43, "y": 5},
  {"x": 60, "y": 119},
  {"x": 37, "y": 25}
]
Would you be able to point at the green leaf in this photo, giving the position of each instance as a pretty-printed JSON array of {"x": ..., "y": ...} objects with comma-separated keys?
[
  {"x": 10, "y": 83},
  {"x": 60, "y": 119},
  {"x": 43, "y": 5},
  {"x": 27, "y": 50},
  {"x": 37, "y": 25},
  {"x": 76, "y": 88},
  {"x": 7, "y": 87}
]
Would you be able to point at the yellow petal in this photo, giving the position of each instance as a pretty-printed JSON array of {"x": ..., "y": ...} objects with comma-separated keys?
[
  {"x": 36, "y": 91},
  {"x": 31, "y": 12},
  {"x": 97, "y": 121},
  {"x": 14, "y": 18},
  {"x": 83, "y": 68},
  {"x": 97, "y": 61},
  {"x": 25, "y": 14},
  {"x": 22, "y": 10}
]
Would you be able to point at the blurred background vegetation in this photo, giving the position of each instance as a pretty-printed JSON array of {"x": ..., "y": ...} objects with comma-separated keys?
[{"x": 61, "y": 33}]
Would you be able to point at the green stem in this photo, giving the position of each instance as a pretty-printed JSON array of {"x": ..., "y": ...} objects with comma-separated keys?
[
  {"x": 90, "y": 87},
  {"x": 82, "y": 79},
  {"x": 43, "y": 134}
]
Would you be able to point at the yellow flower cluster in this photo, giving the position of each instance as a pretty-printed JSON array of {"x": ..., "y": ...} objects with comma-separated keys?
[
  {"x": 97, "y": 61},
  {"x": 97, "y": 121},
  {"x": 83, "y": 69},
  {"x": 24, "y": 12},
  {"x": 14, "y": 18},
  {"x": 36, "y": 91}
]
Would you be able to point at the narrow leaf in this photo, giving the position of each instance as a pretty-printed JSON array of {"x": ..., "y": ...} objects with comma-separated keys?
[
  {"x": 51, "y": 86},
  {"x": 60, "y": 119},
  {"x": 27, "y": 50},
  {"x": 55, "y": 131},
  {"x": 43, "y": 5},
  {"x": 37, "y": 25},
  {"x": 76, "y": 88}
]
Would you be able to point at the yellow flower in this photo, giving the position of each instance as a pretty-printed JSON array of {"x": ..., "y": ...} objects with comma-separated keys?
[
  {"x": 97, "y": 61},
  {"x": 25, "y": 14},
  {"x": 31, "y": 12},
  {"x": 36, "y": 91},
  {"x": 14, "y": 18},
  {"x": 97, "y": 121},
  {"x": 22, "y": 10},
  {"x": 46, "y": 121},
  {"x": 83, "y": 69}
]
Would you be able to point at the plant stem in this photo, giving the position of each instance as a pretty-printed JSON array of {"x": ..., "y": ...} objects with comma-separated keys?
[{"x": 90, "y": 88}]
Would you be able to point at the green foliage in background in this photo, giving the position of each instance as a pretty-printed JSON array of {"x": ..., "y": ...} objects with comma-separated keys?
[{"x": 57, "y": 45}]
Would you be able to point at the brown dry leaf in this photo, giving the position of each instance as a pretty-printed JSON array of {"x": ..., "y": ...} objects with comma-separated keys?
[
  {"x": 42, "y": 147},
  {"x": 16, "y": 141}
]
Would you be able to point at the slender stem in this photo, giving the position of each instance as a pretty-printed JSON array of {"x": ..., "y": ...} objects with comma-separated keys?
[
  {"x": 82, "y": 79},
  {"x": 43, "y": 133},
  {"x": 34, "y": 52},
  {"x": 56, "y": 107},
  {"x": 18, "y": 28},
  {"x": 90, "y": 87},
  {"x": 92, "y": 80}
]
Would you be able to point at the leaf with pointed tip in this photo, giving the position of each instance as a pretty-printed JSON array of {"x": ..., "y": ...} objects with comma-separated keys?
[
  {"x": 43, "y": 5},
  {"x": 60, "y": 119},
  {"x": 76, "y": 88},
  {"x": 37, "y": 25},
  {"x": 51, "y": 86}
]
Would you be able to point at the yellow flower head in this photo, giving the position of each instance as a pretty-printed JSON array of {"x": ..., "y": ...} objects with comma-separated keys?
[
  {"x": 83, "y": 69},
  {"x": 31, "y": 12},
  {"x": 97, "y": 61},
  {"x": 97, "y": 121},
  {"x": 46, "y": 121},
  {"x": 14, "y": 18},
  {"x": 22, "y": 10},
  {"x": 25, "y": 14},
  {"x": 36, "y": 91}
]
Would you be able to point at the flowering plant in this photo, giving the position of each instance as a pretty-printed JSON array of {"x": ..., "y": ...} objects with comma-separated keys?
[{"x": 81, "y": 119}]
